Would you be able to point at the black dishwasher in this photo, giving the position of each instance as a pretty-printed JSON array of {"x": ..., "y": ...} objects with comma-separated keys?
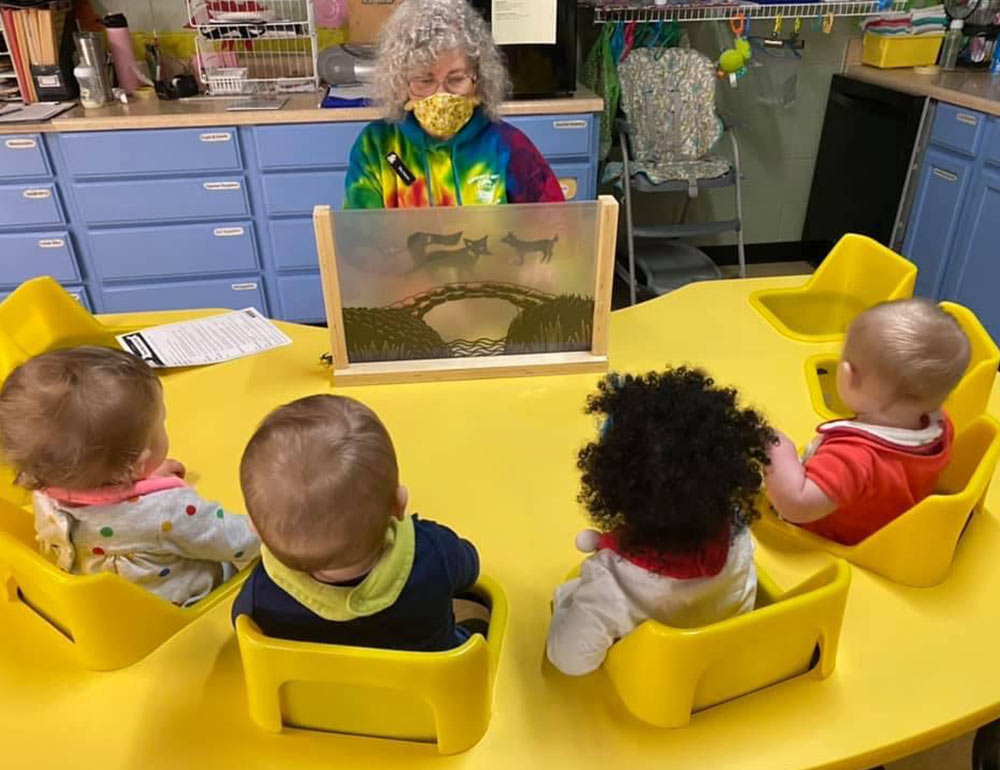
[{"x": 864, "y": 155}]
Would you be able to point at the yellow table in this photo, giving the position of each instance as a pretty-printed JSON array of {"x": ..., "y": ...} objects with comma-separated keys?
[{"x": 495, "y": 459}]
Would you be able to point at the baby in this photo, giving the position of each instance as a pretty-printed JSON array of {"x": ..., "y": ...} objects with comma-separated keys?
[
  {"x": 341, "y": 562},
  {"x": 671, "y": 483},
  {"x": 84, "y": 428},
  {"x": 899, "y": 363}
]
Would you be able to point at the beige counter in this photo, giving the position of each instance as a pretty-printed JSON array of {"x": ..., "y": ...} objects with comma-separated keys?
[
  {"x": 301, "y": 108},
  {"x": 975, "y": 90}
]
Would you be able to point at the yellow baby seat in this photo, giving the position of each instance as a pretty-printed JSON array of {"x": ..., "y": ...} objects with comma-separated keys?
[
  {"x": 104, "y": 621},
  {"x": 918, "y": 547},
  {"x": 418, "y": 696},
  {"x": 663, "y": 674},
  {"x": 857, "y": 274}
]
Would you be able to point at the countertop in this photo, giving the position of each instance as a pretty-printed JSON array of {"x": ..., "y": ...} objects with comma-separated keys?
[
  {"x": 300, "y": 108},
  {"x": 975, "y": 90}
]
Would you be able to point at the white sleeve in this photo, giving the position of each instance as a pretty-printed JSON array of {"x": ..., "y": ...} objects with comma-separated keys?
[
  {"x": 200, "y": 529},
  {"x": 53, "y": 530},
  {"x": 589, "y": 615}
]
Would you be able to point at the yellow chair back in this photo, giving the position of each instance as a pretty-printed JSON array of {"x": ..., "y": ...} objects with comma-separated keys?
[
  {"x": 663, "y": 674},
  {"x": 917, "y": 548},
  {"x": 857, "y": 274},
  {"x": 445, "y": 697}
]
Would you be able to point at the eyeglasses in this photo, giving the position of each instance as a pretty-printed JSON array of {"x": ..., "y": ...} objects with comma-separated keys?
[{"x": 458, "y": 84}]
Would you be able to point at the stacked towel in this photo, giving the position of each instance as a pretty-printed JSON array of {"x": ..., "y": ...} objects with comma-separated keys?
[{"x": 922, "y": 21}]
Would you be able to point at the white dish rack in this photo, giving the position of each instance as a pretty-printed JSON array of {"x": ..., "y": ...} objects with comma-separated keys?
[{"x": 247, "y": 47}]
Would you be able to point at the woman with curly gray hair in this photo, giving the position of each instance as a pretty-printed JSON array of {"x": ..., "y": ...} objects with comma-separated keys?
[{"x": 441, "y": 80}]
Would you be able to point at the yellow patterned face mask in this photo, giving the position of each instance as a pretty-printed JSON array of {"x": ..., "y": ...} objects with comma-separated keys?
[{"x": 443, "y": 115}]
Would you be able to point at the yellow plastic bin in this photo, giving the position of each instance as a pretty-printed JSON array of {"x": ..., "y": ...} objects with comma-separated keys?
[
  {"x": 857, "y": 274},
  {"x": 887, "y": 51},
  {"x": 663, "y": 674},
  {"x": 917, "y": 548},
  {"x": 104, "y": 621},
  {"x": 966, "y": 402},
  {"x": 445, "y": 697}
]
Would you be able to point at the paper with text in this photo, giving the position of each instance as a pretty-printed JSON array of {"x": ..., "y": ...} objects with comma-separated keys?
[
  {"x": 203, "y": 341},
  {"x": 524, "y": 21}
]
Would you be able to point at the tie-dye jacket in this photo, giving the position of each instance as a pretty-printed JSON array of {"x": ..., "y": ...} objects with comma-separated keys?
[{"x": 398, "y": 165}]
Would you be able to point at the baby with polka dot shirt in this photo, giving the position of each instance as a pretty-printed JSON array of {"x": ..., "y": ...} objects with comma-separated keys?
[{"x": 84, "y": 429}]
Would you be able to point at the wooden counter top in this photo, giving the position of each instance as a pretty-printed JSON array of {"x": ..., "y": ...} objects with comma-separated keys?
[
  {"x": 300, "y": 108},
  {"x": 975, "y": 90}
]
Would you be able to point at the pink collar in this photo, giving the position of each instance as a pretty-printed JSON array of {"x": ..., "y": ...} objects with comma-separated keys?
[
  {"x": 107, "y": 495},
  {"x": 708, "y": 561}
]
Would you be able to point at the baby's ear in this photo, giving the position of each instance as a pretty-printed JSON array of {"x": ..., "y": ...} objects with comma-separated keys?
[
  {"x": 402, "y": 500},
  {"x": 139, "y": 466},
  {"x": 849, "y": 371},
  {"x": 588, "y": 540}
]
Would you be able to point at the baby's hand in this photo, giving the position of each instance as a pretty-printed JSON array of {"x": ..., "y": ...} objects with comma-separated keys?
[
  {"x": 587, "y": 540},
  {"x": 783, "y": 452},
  {"x": 171, "y": 468}
]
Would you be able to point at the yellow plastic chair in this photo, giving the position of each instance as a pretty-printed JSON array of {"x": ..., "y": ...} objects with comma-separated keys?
[
  {"x": 105, "y": 621},
  {"x": 416, "y": 696},
  {"x": 663, "y": 674},
  {"x": 857, "y": 274},
  {"x": 917, "y": 548},
  {"x": 966, "y": 402}
]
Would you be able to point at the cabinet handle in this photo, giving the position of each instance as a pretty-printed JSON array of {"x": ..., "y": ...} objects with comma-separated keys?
[
  {"x": 217, "y": 136},
  {"x": 20, "y": 144},
  {"x": 562, "y": 125},
  {"x": 51, "y": 243},
  {"x": 227, "y": 232},
  {"x": 969, "y": 120},
  {"x": 216, "y": 186},
  {"x": 569, "y": 187},
  {"x": 77, "y": 296},
  {"x": 945, "y": 175},
  {"x": 37, "y": 193},
  {"x": 243, "y": 287}
]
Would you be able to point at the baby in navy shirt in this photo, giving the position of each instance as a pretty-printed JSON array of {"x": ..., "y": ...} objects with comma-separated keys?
[{"x": 341, "y": 562}]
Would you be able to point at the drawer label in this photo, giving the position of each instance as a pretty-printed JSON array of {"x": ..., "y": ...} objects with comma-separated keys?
[
  {"x": 37, "y": 194},
  {"x": 568, "y": 124},
  {"x": 216, "y": 186},
  {"x": 217, "y": 136},
  {"x": 569, "y": 188},
  {"x": 243, "y": 287},
  {"x": 228, "y": 232},
  {"x": 20, "y": 144},
  {"x": 964, "y": 117},
  {"x": 51, "y": 243}
]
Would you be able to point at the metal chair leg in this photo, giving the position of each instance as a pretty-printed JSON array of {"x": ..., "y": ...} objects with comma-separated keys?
[
  {"x": 627, "y": 187},
  {"x": 741, "y": 253}
]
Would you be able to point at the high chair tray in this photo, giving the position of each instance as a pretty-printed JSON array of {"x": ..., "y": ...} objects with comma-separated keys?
[{"x": 494, "y": 459}]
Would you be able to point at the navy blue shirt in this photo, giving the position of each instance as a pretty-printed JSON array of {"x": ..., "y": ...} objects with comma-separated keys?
[{"x": 421, "y": 618}]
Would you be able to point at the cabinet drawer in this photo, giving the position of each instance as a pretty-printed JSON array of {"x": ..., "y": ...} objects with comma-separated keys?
[
  {"x": 576, "y": 180},
  {"x": 30, "y": 204},
  {"x": 162, "y": 199},
  {"x": 305, "y": 146},
  {"x": 301, "y": 298},
  {"x": 558, "y": 135},
  {"x": 993, "y": 142},
  {"x": 160, "y": 151},
  {"x": 76, "y": 292},
  {"x": 293, "y": 244},
  {"x": 234, "y": 294},
  {"x": 27, "y": 255},
  {"x": 22, "y": 155},
  {"x": 299, "y": 193},
  {"x": 151, "y": 252},
  {"x": 957, "y": 128}
]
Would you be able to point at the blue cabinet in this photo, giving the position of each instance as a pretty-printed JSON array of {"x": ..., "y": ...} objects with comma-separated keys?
[
  {"x": 936, "y": 212},
  {"x": 953, "y": 234},
  {"x": 173, "y": 218}
]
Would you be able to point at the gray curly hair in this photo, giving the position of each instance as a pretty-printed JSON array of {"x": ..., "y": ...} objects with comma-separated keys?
[{"x": 415, "y": 37}]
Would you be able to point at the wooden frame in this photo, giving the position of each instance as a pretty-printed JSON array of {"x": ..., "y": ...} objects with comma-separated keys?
[{"x": 478, "y": 367}]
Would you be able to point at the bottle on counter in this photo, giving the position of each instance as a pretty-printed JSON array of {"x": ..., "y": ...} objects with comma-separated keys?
[
  {"x": 120, "y": 43},
  {"x": 952, "y": 44}
]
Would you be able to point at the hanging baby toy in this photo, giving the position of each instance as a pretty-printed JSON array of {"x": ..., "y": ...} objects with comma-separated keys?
[{"x": 733, "y": 61}]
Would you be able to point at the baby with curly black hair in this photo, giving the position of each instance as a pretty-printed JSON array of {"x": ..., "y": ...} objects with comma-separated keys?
[{"x": 670, "y": 483}]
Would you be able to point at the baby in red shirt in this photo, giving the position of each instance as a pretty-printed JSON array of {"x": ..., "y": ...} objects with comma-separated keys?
[{"x": 899, "y": 363}]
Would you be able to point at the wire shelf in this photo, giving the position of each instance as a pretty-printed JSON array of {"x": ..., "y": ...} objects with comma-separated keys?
[
  {"x": 712, "y": 11},
  {"x": 255, "y": 46}
]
